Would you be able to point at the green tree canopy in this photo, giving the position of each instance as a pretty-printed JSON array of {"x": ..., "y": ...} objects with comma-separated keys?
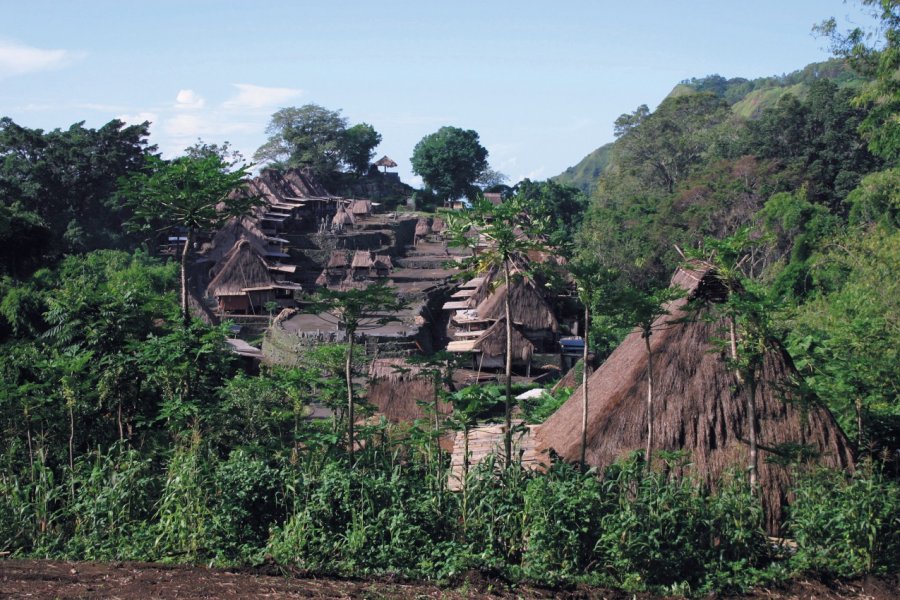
[
  {"x": 450, "y": 161},
  {"x": 317, "y": 138}
]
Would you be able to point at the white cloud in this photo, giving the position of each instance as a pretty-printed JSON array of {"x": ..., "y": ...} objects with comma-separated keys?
[
  {"x": 251, "y": 96},
  {"x": 18, "y": 59},
  {"x": 188, "y": 100},
  {"x": 138, "y": 118}
]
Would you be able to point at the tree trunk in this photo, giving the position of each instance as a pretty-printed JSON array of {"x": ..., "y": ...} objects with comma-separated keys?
[
  {"x": 859, "y": 423},
  {"x": 348, "y": 374},
  {"x": 72, "y": 449},
  {"x": 584, "y": 385},
  {"x": 649, "y": 453},
  {"x": 507, "y": 438},
  {"x": 185, "y": 311}
]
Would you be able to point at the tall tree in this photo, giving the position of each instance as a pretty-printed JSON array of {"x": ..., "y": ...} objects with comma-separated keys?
[
  {"x": 355, "y": 310},
  {"x": 309, "y": 136},
  {"x": 358, "y": 147},
  {"x": 450, "y": 161},
  {"x": 187, "y": 195},
  {"x": 506, "y": 233}
]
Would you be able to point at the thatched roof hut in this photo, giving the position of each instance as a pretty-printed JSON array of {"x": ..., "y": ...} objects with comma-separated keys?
[
  {"x": 697, "y": 406},
  {"x": 527, "y": 307},
  {"x": 422, "y": 227},
  {"x": 234, "y": 230},
  {"x": 338, "y": 260},
  {"x": 243, "y": 283},
  {"x": 360, "y": 208},
  {"x": 400, "y": 390},
  {"x": 362, "y": 259},
  {"x": 385, "y": 162},
  {"x": 437, "y": 225},
  {"x": 341, "y": 219}
]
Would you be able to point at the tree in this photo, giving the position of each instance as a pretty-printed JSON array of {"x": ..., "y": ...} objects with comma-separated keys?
[
  {"x": 507, "y": 234},
  {"x": 357, "y": 309},
  {"x": 592, "y": 283},
  {"x": 561, "y": 206},
  {"x": 665, "y": 145},
  {"x": 358, "y": 147},
  {"x": 450, "y": 161},
  {"x": 188, "y": 195},
  {"x": 69, "y": 179},
  {"x": 641, "y": 306},
  {"x": 879, "y": 62},
  {"x": 309, "y": 136}
]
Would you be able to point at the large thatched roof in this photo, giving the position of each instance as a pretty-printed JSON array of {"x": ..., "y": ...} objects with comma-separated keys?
[
  {"x": 527, "y": 306},
  {"x": 398, "y": 390},
  {"x": 243, "y": 268},
  {"x": 493, "y": 342},
  {"x": 697, "y": 406},
  {"x": 234, "y": 230}
]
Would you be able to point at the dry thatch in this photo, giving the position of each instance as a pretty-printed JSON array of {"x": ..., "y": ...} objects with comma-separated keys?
[
  {"x": 527, "y": 307},
  {"x": 422, "y": 227},
  {"x": 400, "y": 390},
  {"x": 697, "y": 405},
  {"x": 385, "y": 162},
  {"x": 341, "y": 218},
  {"x": 437, "y": 225},
  {"x": 572, "y": 378},
  {"x": 233, "y": 231},
  {"x": 362, "y": 259},
  {"x": 360, "y": 208},
  {"x": 338, "y": 260},
  {"x": 243, "y": 268},
  {"x": 492, "y": 343}
]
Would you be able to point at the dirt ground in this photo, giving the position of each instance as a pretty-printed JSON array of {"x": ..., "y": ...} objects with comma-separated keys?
[{"x": 130, "y": 580}]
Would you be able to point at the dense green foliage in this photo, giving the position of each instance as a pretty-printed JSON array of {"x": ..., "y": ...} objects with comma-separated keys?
[
  {"x": 318, "y": 139},
  {"x": 450, "y": 161}
]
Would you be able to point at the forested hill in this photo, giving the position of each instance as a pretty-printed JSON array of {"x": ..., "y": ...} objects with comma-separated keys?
[{"x": 748, "y": 98}]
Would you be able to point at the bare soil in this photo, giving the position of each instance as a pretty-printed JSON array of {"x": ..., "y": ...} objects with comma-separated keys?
[{"x": 133, "y": 580}]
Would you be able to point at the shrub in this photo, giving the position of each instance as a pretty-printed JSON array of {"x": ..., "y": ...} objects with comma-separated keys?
[{"x": 846, "y": 526}]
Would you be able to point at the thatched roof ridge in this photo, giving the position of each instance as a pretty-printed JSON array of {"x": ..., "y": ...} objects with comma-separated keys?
[
  {"x": 243, "y": 268},
  {"x": 385, "y": 161},
  {"x": 698, "y": 406},
  {"x": 338, "y": 259},
  {"x": 342, "y": 217},
  {"x": 362, "y": 259},
  {"x": 236, "y": 229},
  {"x": 527, "y": 306},
  {"x": 360, "y": 208},
  {"x": 493, "y": 342}
]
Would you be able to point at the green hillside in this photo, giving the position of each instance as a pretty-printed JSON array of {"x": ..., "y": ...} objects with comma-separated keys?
[
  {"x": 585, "y": 174},
  {"x": 747, "y": 97}
]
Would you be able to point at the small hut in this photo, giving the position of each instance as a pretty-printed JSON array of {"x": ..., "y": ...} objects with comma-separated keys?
[
  {"x": 489, "y": 349},
  {"x": 437, "y": 226},
  {"x": 335, "y": 270},
  {"x": 243, "y": 283},
  {"x": 495, "y": 198},
  {"x": 401, "y": 391},
  {"x": 342, "y": 219},
  {"x": 528, "y": 308},
  {"x": 385, "y": 163},
  {"x": 381, "y": 266},
  {"x": 699, "y": 407},
  {"x": 422, "y": 230},
  {"x": 361, "y": 265},
  {"x": 360, "y": 209}
]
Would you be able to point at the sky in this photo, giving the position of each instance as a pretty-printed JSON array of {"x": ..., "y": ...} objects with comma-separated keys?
[{"x": 541, "y": 82}]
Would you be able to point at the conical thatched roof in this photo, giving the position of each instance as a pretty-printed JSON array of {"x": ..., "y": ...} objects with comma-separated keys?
[
  {"x": 362, "y": 259},
  {"x": 341, "y": 218},
  {"x": 383, "y": 261},
  {"x": 422, "y": 227},
  {"x": 697, "y": 405},
  {"x": 398, "y": 390},
  {"x": 386, "y": 162},
  {"x": 437, "y": 225},
  {"x": 243, "y": 268},
  {"x": 338, "y": 259},
  {"x": 360, "y": 208},
  {"x": 493, "y": 342},
  {"x": 527, "y": 306},
  {"x": 235, "y": 229}
]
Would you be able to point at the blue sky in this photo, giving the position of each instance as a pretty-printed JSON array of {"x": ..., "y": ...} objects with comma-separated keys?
[{"x": 540, "y": 82}]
